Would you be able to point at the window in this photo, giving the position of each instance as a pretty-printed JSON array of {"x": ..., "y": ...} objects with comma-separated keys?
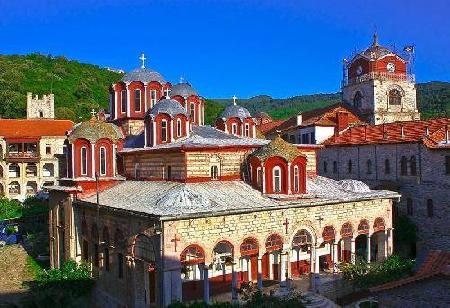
[
  {"x": 350, "y": 166},
  {"x": 447, "y": 165},
  {"x": 395, "y": 97},
  {"x": 166, "y": 92},
  {"x": 178, "y": 127},
  {"x": 313, "y": 138},
  {"x": 84, "y": 166},
  {"x": 163, "y": 130},
  {"x": 169, "y": 173},
  {"x": 335, "y": 167},
  {"x": 277, "y": 179},
  {"x": 234, "y": 128},
  {"x": 409, "y": 206},
  {"x": 430, "y": 208},
  {"x": 305, "y": 138},
  {"x": 123, "y": 101},
  {"x": 369, "y": 166},
  {"x": 120, "y": 265},
  {"x": 357, "y": 100},
  {"x": 48, "y": 149},
  {"x": 247, "y": 131},
  {"x": 296, "y": 179},
  {"x": 214, "y": 172},
  {"x": 137, "y": 100},
  {"x": 413, "y": 165},
  {"x": 192, "y": 111},
  {"x": 102, "y": 161},
  {"x": 259, "y": 177},
  {"x": 325, "y": 167},
  {"x": 403, "y": 166},
  {"x": 41, "y": 114},
  {"x": 152, "y": 98},
  {"x": 387, "y": 166}
]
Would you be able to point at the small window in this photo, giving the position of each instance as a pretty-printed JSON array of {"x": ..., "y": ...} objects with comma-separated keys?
[
  {"x": 447, "y": 165},
  {"x": 395, "y": 97},
  {"x": 409, "y": 206},
  {"x": 41, "y": 114},
  {"x": 430, "y": 208},
  {"x": 296, "y": 179},
  {"x": 234, "y": 129},
  {"x": 259, "y": 177},
  {"x": 350, "y": 166},
  {"x": 369, "y": 166},
  {"x": 123, "y": 101},
  {"x": 120, "y": 265},
  {"x": 192, "y": 111},
  {"x": 152, "y": 98},
  {"x": 313, "y": 138},
  {"x": 179, "y": 128},
  {"x": 247, "y": 131},
  {"x": 102, "y": 161},
  {"x": 84, "y": 165},
  {"x": 214, "y": 172},
  {"x": 48, "y": 149},
  {"x": 413, "y": 165},
  {"x": 169, "y": 173},
  {"x": 403, "y": 166},
  {"x": 335, "y": 167},
  {"x": 164, "y": 131},
  {"x": 166, "y": 92},
  {"x": 387, "y": 166},
  {"x": 137, "y": 100},
  {"x": 277, "y": 179},
  {"x": 325, "y": 167}
]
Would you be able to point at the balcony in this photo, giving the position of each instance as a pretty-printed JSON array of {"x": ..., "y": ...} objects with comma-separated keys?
[
  {"x": 379, "y": 76},
  {"x": 19, "y": 152}
]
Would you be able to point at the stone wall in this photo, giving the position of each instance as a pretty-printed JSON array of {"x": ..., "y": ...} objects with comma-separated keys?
[
  {"x": 40, "y": 108},
  {"x": 154, "y": 166}
]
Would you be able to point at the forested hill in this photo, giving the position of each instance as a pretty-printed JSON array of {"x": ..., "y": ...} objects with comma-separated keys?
[
  {"x": 80, "y": 87},
  {"x": 77, "y": 87}
]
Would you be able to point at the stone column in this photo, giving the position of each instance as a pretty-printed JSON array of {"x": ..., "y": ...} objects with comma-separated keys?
[
  {"x": 205, "y": 284},
  {"x": 173, "y": 129},
  {"x": 316, "y": 260},
  {"x": 249, "y": 269},
  {"x": 368, "y": 248},
  {"x": 153, "y": 143},
  {"x": 386, "y": 241},
  {"x": 271, "y": 262},
  {"x": 311, "y": 259},
  {"x": 353, "y": 251},
  {"x": 312, "y": 285},
  {"x": 335, "y": 257},
  {"x": 259, "y": 277},
  {"x": 254, "y": 131},
  {"x": 283, "y": 269},
  {"x": 233, "y": 283}
]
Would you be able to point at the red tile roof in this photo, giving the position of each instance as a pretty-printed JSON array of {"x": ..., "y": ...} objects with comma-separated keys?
[
  {"x": 413, "y": 131},
  {"x": 436, "y": 263},
  {"x": 268, "y": 127},
  {"x": 32, "y": 128}
]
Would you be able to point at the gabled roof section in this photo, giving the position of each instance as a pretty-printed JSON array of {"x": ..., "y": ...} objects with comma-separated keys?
[
  {"x": 32, "y": 128},
  {"x": 431, "y": 132}
]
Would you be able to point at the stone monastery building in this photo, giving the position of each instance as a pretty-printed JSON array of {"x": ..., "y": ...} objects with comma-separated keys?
[{"x": 168, "y": 209}]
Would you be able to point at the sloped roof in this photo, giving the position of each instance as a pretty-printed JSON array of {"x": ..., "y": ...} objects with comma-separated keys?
[
  {"x": 169, "y": 106},
  {"x": 183, "y": 89},
  {"x": 94, "y": 130},
  {"x": 270, "y": 127},
  {"x": 413, "y": 131},
  {"x": 436, "y": 263},
  {"x": 235, "y": 111},
  {"x": 278, "y": 147},
  {"x": 144, "y": 75},
  {"x": 23, "y": 128}
]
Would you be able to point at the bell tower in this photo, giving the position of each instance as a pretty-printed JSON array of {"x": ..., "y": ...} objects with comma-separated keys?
[{"x": 377, "y": 83}]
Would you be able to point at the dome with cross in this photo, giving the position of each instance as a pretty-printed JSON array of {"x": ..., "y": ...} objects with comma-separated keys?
[
  {"x": 235, "y": 111},
  {"x": 183, "y": 89},
  {"x": 143, "y": 74}
]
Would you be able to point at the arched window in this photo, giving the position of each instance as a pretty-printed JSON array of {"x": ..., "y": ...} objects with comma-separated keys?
[
  {"x": 102, "y": 161},
  {"x": 403, "y": 166},
  {"x": 387, "y": 166},
  {"x": 259, "y": 177},
  {"x": 296, "y": 179},
  {"x": 164, "y": 130},
  {"x": 193, "y": 254},
  {"x": 395, "y": 97},
  {"x": 31, "y": 170},
  {"x": 347, "y": 230},
  {"x": 143, "y": 249},
  {"x": 328, "y": 233},
  {"x": 378, "y": 225},
  {"x": 350, "y": 166},
  {"x": 335, "y": 167},
  {"x": 234, "y": 129},
  {"x": 247, "y": 130},
  {"x": 249, "y": 247},
  {"x": 214, "y": 172},
  {"x": 369, "y": 166},
  {"x": 325, "y": 167},
  {"x": 84, "y": 163},
  {"x": 409, "y": 206},
  {"x": 301, "y": 238},
  {"x": 413, "y": 165},
  {"x": 274, "y": 242},
  {"x": 357, "y": 100},
  {"x": 179, "y": 129},
  {"x": 192, "y": 111},
  {"x": 363, "y": 227},
  {"x": 123, "y": 100},
  {"x": 152, "y": 98},
  {"x": 137, "y": 100},
  {"x": 276, "y": 179},
  {"x": 430, "y": 208}
]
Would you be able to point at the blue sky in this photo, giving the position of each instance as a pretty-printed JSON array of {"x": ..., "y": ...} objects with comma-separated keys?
[{"x": 279, "y": 48}]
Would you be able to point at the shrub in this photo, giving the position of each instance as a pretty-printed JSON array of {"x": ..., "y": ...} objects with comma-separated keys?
[{"x": 10, "y": 208}]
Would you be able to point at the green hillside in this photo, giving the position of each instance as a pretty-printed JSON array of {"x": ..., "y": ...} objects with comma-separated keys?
[
  {"x": 77, "y": 87},
  {"x": 80, "y": 87}
]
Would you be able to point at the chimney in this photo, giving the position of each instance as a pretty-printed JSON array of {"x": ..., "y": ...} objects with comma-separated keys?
[
  {"x": 299, "y": 119},
  {"x": 341, "y": 121}
]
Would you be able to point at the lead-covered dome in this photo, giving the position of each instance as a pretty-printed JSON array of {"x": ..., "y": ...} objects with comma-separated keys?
[
  {"x": 235, "y": 111},
  {"x": 168, "y": 106},
  {"x": 144, "y": 75},
  {"x": 183, "y": 89}
]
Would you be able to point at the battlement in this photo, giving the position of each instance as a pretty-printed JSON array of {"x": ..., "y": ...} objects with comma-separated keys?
[{"x": 43, "y": 108}]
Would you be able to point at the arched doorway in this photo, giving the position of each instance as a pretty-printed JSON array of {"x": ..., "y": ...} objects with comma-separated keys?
[
  {"x": 378, "y": 241},
  {"x": 222, "y": 267},
  {"x": 345, "y": 244},
  {"x": 361, "y": 241},
  {"x": 328, "y": 235},
  {"x": 301, "y": 253},
  {"x": 143, "y": 252},
  {"x": 249, "y": 250},
  {"x": 192, "y": 262},
  {"x": 271, "y": 259}
]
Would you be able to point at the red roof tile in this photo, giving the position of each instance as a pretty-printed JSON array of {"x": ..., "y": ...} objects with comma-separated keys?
[
  {"x": 32, "y": 128},
  {"x": 264, "y": 128},
  {"x": 397, "y": 132},
  {"x": 436, "y": 263}
]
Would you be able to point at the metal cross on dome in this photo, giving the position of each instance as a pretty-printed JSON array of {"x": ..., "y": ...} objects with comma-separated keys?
[
  {"x": 142, "y": 58},
  {"x": 234, "y": 99}
]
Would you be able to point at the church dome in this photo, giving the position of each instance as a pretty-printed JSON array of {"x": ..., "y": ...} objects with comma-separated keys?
[
  {"x": 94, "y": 130},
  {"x": 376, "y": 51},
  {"x": 277, "y": 147},
  {"x": 235, "y": 111},
  {"x": 183, "y": 89},
  {"x": 168, "y": 106},
  {"x": 144, "y": 75}
]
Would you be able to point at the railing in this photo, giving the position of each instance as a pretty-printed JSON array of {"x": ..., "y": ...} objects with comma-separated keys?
[
  {"x": 380, "y": 76},
  {"x": 22, "y": 155}
]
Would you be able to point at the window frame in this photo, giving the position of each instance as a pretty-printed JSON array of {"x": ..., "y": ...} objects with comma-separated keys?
[
  {"x": 247, "y": 130},
  {"x": 102, "y": 160},
  {"x": 164, "y": 130},
  {"x": 296, "y": 179},
  {"x": 83, "y": 161},
  {"x": 275, "y": 177},
  {"x": 179, "y": 128},
  {"x": 234, "y": 128},
  {"x": 123, "y": 101},
  {"x": 153, "y": 98},
  {"x": 137, "y": 100}
]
